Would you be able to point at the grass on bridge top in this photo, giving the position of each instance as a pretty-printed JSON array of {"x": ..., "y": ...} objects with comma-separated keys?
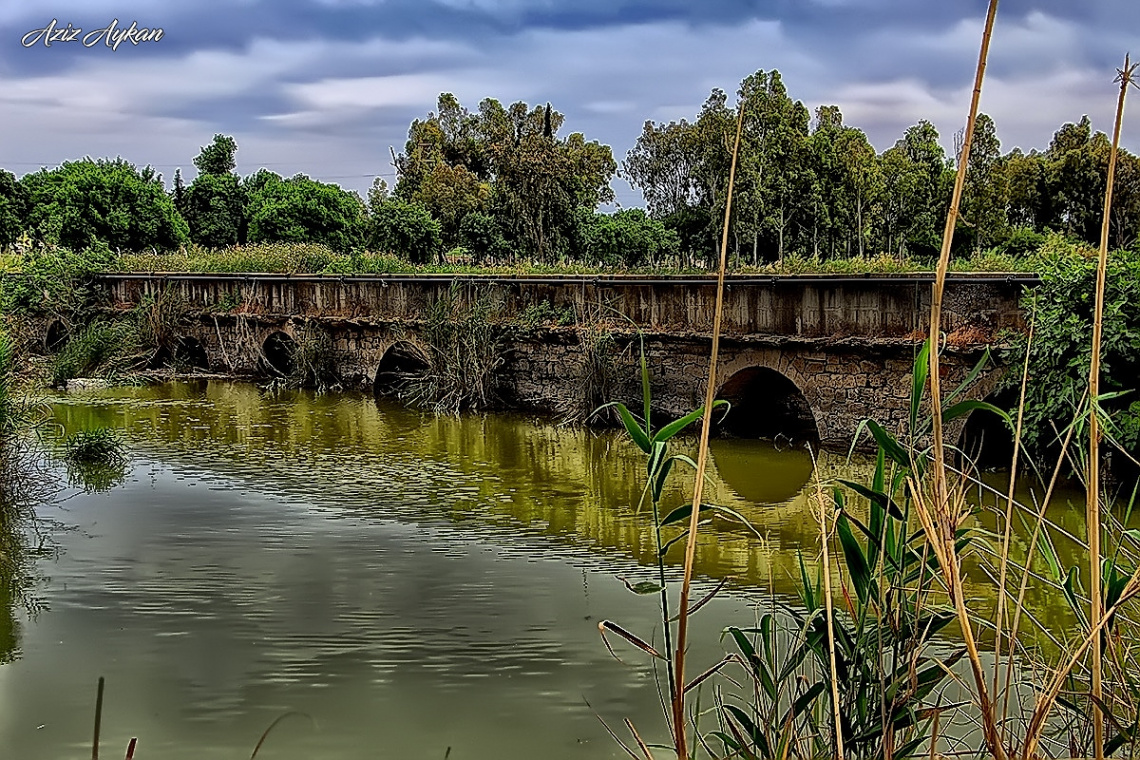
[{"x": 309, "y": 258}]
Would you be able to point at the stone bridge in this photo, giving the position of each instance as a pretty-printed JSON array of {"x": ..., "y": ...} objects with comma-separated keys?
[{"x": 801, "y": 355}]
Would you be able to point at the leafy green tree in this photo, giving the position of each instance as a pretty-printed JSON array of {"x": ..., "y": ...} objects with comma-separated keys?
[
  {"x": 300, "y": 209},
  {"x": 662, "y": 165},
  {"x": 629, "y": 238},
  {"x": 480, "y": 233},
  {"x": 1024, "y": 177},
  {"x": 1076, "y": 170},
  {"x": 509, "y": 162},
  {"x": 82, "y": 202},
  {"x": 218, "y": 157},
  {"x": 774, "y": 173},
  {"x": 930, "y": 197},
  {"x": 985, "y": 195},
  {"x": 13, "y": 208},
  {"x": 215, "y": 207},
  {"x": 863, "y": 180},
  {"x": 407, "y": 230}
]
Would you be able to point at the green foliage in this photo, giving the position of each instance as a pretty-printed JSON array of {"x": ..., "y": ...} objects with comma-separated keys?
[
  {"x": 10, "y": 409},
  {"x": 1022, "y": 241},
  {"x": 214, "y": 208},
  {"x": 302, "y": 210},
  {"x": 96, "y": 459},
  {"x": 217, "y": 158},
  {"x": 53, "y": 281},
  {"x": 13, "y": 208},
  {"x": 546, "y": 313},
  {"x": 464, "y": 334},
  {"x": 406, "y": 230},
  {"x": 481, "y": 234},
  {"x": 104, "y": 348},
  {"x": 507, "y": 162},
  {"x": 628, "y": 238},
  {"x": 1062, "y": 344},
  {"x": 291, "y": 258},
  {"x": 98, "y": 446},
  {"x": 102, "y": 202}
]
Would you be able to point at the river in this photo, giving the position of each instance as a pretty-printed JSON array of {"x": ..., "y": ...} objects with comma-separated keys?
[{"x": 392, "y": 582}]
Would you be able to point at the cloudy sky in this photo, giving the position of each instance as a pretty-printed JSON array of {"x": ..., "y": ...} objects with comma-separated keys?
[{"x": 326, "y": 87}]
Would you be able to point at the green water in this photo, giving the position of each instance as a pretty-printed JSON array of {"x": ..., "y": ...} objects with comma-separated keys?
[{"x": 404, "y": 583}]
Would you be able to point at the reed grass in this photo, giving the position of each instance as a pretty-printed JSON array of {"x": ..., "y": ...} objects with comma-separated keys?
[{"x": 312, "y": 258}]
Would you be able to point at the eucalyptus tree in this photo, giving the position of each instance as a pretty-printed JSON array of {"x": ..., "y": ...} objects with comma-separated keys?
[
  {"x": 214, "y": 205},
  {"x": 986, "y": 195},
  {"x": 507, "y": 162}
]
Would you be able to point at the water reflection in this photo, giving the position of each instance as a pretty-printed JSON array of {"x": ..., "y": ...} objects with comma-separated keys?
[{"x": 412, "y": 582}]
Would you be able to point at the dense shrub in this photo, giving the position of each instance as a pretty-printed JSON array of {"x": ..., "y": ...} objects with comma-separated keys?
[
  {"x": 628, "y": 238},
  {"x": 407, "y": 230},
  {"x": 302, "y": 210},
  {"x": 88, "y": 202},
  {"x": 1062, "y": 344}
]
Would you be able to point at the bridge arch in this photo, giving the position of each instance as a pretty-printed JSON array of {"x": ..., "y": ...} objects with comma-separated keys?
[
  {"x": 767, "y": 403},
  {"x": 278, "y": 350},
  {"x": 56, "y": 336},
  {"x": 189, "y": 352},
  {"x": 402, "y": 362},
  {"x": 985, "y": 439}
]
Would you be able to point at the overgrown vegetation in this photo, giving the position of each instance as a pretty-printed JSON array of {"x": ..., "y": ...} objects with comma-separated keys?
[
  {"x": 1061, "y": 349},
  {"x": 96, "y": 459},
  {"x": 464, "y": 334},
  {"x": 22, "y": 487},
  {"x": 314, "y": 360}
]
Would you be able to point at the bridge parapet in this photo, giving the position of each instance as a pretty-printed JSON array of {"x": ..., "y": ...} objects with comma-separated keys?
[{"x": 977, "y": 306}]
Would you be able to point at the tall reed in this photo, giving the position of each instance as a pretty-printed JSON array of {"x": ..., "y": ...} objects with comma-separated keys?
[{"x": 1092, "y": 503}]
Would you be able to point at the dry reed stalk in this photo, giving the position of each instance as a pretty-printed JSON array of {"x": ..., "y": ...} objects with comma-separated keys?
[
  {"x": 1007, "y": 534},
  {"x": 1092, "y": 501},
  {"x": 678, "y": 696},
  {"x": 825, "y": 537},
  {"x": 1045, "y": 702},
  {"x": 940, "y": 524}
]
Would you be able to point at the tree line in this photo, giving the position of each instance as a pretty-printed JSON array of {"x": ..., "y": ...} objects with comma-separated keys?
[{"x": 499, "y": 184}]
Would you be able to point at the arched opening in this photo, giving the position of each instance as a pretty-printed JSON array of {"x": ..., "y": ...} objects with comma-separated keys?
[
  {"x": 767, "y": 405},
  {"x": 56, "y": 337},
  {"x": 189, "y": 353},
  {"x": 986, "y": 439},
  {"x": 278, "y": 352},
  {"x": 401, "y": 364}
]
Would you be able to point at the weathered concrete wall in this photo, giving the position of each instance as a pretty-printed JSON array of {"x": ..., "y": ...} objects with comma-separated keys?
[{"x": 797, "y": 306}]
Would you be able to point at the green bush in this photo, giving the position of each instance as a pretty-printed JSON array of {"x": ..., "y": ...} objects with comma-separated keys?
[
  {"x": 101, "y": 348},
  {"x": 55, "y": 281},
  {"x": 406, "y": 229},
  {"x": 628, "y": 238},
  {"x": 1062, "y": 343},
  {"x": 302, "y": 210},
  {"x": 88, "y": 202}
]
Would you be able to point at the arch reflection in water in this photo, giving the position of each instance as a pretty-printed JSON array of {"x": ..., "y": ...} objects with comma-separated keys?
[
  {"x": 759, "y": 471},
  {"x": 766, "y": 404}
]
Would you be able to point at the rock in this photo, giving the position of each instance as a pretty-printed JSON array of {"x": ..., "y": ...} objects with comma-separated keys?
[{"x": 86, "y": 384}]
